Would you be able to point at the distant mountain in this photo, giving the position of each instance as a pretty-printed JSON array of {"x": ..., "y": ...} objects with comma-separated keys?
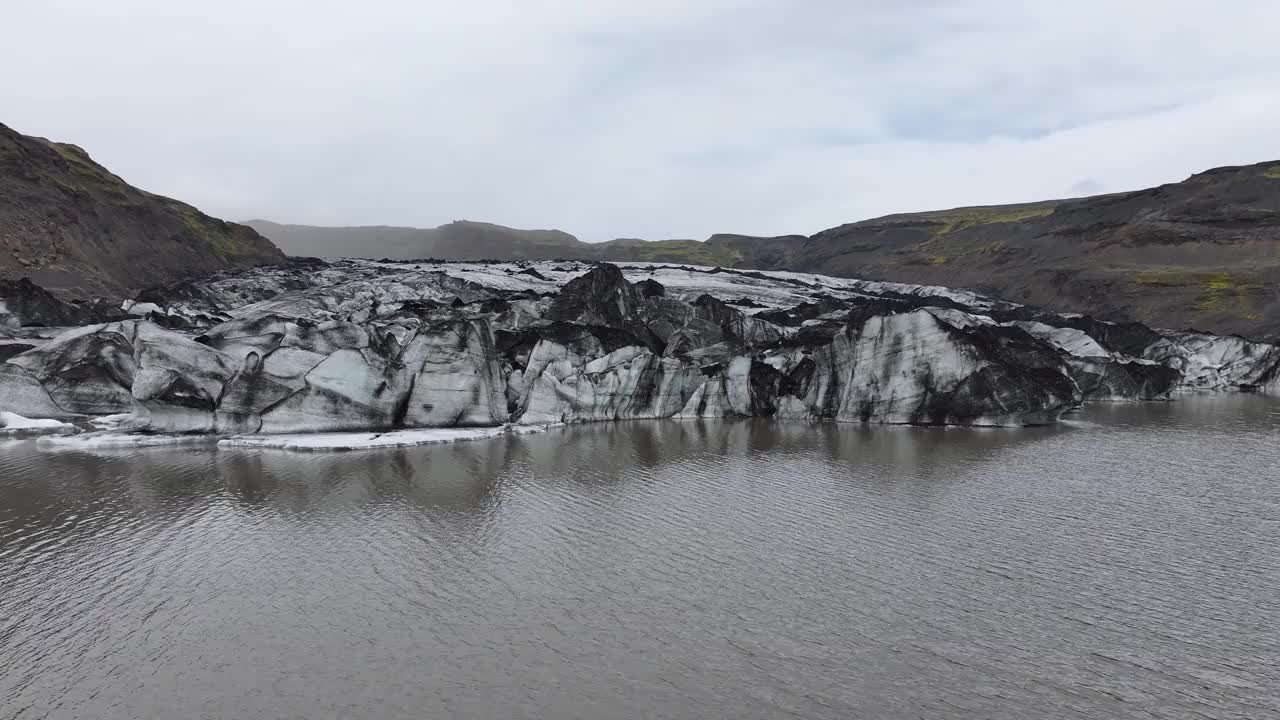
[
  {"x": 73, "y": 227},
  {"x": 719, "y": 250},
  {"x": 461, "y": 240},
  {"x": 467, "y": 240}
]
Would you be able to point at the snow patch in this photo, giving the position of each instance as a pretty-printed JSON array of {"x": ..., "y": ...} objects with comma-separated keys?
[{"x": 140, "y": 309}]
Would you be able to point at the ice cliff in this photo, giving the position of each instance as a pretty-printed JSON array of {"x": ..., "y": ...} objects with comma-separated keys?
[{"x": 350, "y": 346}]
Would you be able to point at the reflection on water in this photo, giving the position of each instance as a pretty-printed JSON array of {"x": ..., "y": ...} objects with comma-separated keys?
[{"x": 1120, "y": 565}]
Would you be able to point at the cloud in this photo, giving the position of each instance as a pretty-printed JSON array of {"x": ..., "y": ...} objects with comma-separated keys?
[
  {"x": 1086, "y": 187},
  {"x": 660, "y": 119}
]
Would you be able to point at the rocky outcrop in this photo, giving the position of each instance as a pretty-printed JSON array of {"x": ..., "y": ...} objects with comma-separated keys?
[
  {"x": 25, "y": 304},
  {"x": 437, "y": 346}
]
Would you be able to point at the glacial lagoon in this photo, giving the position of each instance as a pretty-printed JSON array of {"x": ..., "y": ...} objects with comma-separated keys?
[{"x": 1121, "y": 564}]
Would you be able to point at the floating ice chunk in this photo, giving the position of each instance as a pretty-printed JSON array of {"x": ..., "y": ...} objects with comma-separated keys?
[
  {"x": 110, "y": 440},
  {"x": 120, "y": 421},
  {"x": 362, "y": 441},
  {"x": 532, "y": 429},
  {"x": 15, "y": 421},
  {"x": 15, "y": 424}
]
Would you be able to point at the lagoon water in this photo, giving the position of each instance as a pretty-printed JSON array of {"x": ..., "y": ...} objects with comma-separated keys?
[{"x": 1125, "y": 564}]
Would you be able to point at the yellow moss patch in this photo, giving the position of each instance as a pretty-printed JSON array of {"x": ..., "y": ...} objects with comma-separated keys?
[
  {"x": 1272, "y": 172},
  {"x": 86, "y": 176},
  {"x": 940, "y": 230},
  {"x": 953, "y": 220},
  {"x": 1219, "y": 291},
  {"x": 1219, "y": 281}
]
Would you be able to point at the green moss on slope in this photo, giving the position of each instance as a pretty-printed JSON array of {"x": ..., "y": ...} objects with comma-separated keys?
[
  {"x": 88, "y": 177},
  {"x": 225, "y": 245}
]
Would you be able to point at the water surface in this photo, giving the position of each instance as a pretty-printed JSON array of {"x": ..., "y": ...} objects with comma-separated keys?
[{"x": 1123, "y": 565}]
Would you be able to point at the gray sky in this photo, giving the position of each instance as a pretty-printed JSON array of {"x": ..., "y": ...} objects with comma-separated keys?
[{"x": 664, "y": 118}]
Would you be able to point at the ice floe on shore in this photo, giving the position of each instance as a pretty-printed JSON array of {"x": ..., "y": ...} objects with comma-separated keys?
[
  {"x": 13, "y": 424},
  {"x": 111, "y": 440},
  {"x": 360, "y": 440}
]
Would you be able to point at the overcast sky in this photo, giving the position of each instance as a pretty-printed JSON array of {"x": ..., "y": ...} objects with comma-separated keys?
[{"x": 630, "y": 118}]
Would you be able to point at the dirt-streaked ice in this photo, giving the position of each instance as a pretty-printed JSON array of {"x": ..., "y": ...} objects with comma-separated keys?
[{"x": 392, "y": 353}]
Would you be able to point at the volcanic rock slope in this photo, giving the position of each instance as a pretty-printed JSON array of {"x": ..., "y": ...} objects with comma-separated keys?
[
  {"x": 1201, "y": 253},
  {"x": 317, "y": 346},
  {"x": 74, "y": 228}
]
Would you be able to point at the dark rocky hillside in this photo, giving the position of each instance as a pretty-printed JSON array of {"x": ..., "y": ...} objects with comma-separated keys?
[
  {"x": 73, "y": 227},
  {"x": 1201, "y": 253}
]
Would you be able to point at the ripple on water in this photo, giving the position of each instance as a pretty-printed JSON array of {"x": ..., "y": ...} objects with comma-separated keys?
[{"x": 1122, "y": 565}]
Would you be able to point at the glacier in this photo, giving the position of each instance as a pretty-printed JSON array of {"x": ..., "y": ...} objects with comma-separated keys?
[{"x": 381, "y": 349}]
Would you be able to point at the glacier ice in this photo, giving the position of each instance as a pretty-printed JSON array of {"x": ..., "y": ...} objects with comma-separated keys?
[{"x": 382, "y": 349}]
